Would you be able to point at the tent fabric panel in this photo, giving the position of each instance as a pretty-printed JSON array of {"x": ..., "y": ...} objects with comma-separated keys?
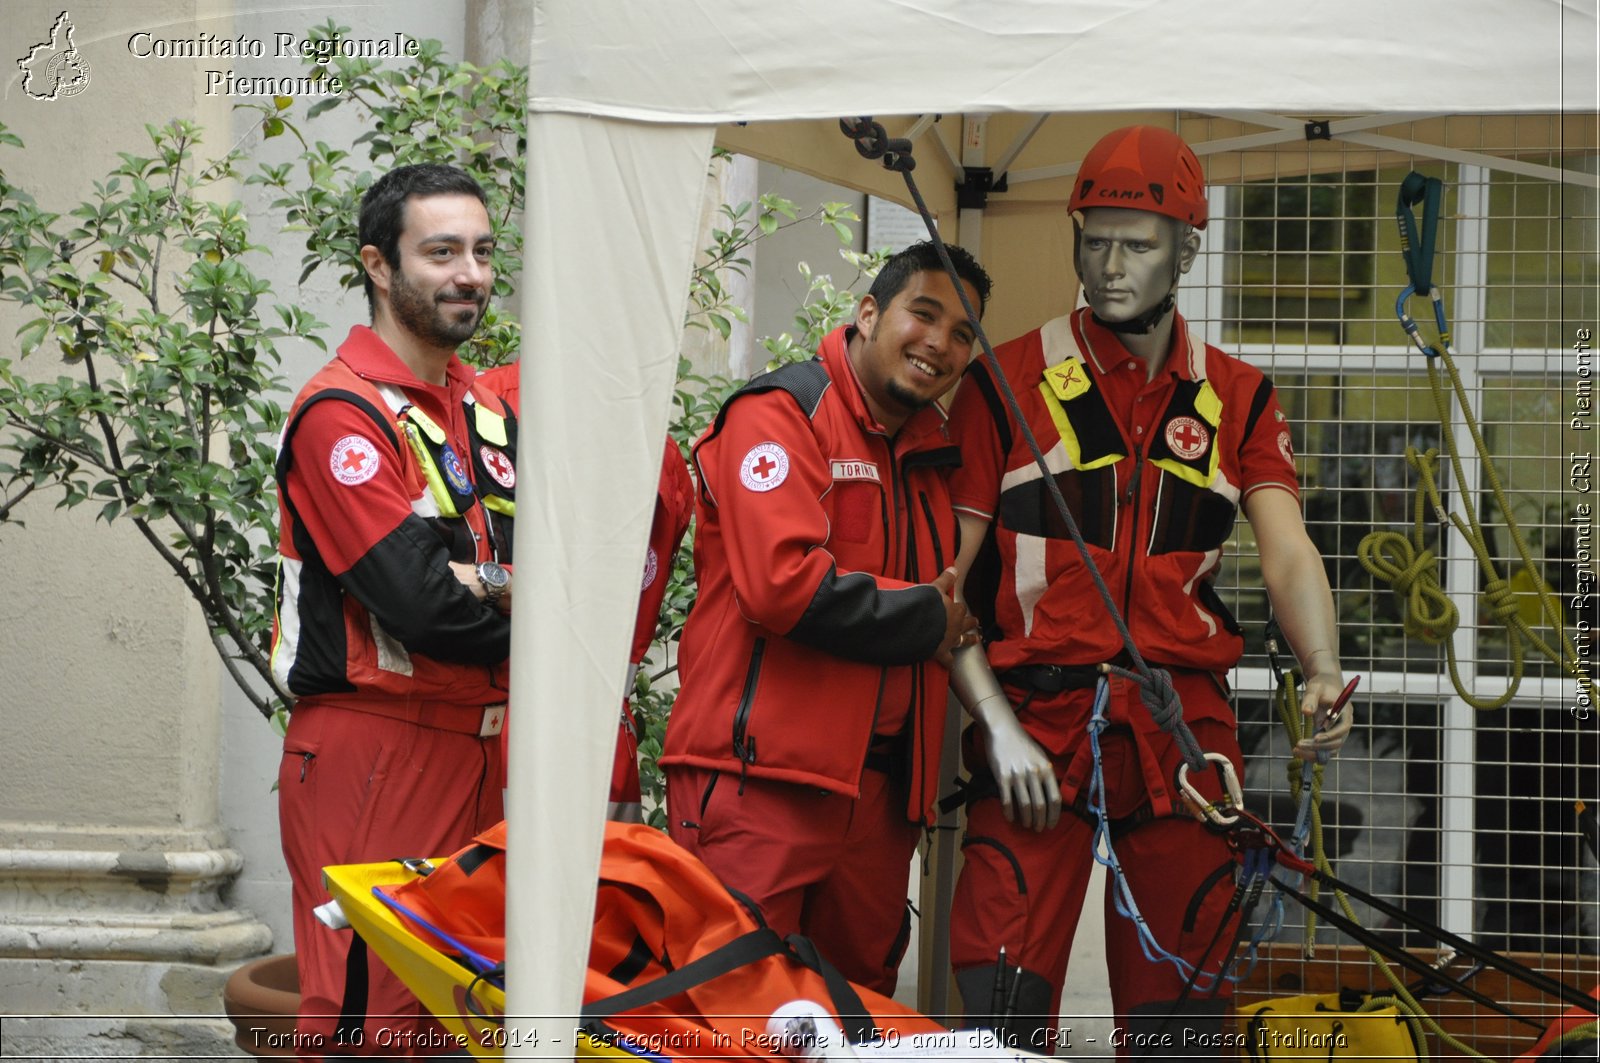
[
  {"x": 610, "y": 223},
  {"x": 732, "y": 60}
]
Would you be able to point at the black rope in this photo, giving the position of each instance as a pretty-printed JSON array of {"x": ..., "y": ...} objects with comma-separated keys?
[
  {"x": 1394, "y": 952},
  {"x": 1155, "y": 684},
  {"x": 1528, "y": 976}
]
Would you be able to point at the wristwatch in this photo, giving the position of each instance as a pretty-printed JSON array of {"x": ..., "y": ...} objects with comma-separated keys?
[{"x": 495, "y": 580}]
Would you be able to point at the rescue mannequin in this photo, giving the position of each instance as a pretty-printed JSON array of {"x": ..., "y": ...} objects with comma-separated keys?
[{"x": 1156, "y": 440}]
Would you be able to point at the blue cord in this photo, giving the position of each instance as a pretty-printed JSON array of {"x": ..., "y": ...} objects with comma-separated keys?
[{"x": 1258, "y": 864}]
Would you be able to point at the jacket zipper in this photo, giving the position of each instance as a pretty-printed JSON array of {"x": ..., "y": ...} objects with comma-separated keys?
[
  {"x": 1131, "y": 500},
  {"x": 933, "y": 531},
  {"x": 745, "y": 748},
  {"x": 890, "y": 503}
]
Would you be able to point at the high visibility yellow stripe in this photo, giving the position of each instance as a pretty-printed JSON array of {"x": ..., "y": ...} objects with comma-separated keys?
[
  {"x": 1069, "y": 438},
  {"x": 436, "y": 485},
  {"x": 490, "y": 425}
]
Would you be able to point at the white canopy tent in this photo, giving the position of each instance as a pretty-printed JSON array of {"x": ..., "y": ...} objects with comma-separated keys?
[{"x": 626, "y": 103}]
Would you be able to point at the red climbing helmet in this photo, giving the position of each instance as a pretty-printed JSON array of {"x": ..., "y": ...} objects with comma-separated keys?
[{"x": 1142, "y": 167}]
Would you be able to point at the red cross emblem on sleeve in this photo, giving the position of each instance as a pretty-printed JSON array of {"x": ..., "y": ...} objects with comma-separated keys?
[
  {"x": 765, "y": 466},
  {"x": 354, "y": 460}
]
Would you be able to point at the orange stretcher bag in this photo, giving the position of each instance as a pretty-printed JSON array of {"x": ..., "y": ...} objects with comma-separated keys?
[
  {"x": 678, "y": 964},
  {"x": 459, "y": 906}
]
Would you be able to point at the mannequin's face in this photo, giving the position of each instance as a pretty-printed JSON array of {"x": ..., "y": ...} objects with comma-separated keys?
[{"x": 1129, "y": 260}]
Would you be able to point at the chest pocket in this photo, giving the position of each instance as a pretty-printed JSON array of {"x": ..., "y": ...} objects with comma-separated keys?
[
  {"x": 858, "y": 502},
  {"x": 1192, "y": 514},
  {"x": 1093, "y": 444},
  {"x": 1186, "y": 446}
]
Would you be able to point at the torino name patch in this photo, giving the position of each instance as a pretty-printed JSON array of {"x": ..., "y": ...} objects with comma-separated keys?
[{"x": 856, "y": 470}]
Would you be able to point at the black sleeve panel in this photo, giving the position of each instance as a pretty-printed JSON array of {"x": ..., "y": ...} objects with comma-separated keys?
[
  {"x": 851, "y": 617},
  {"x": 406, "y": 583},
  {"x": 1258, "y": 404}
]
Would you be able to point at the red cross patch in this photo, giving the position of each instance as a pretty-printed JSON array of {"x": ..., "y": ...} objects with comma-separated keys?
[
  {"x": 1187, "y": 437},
  {"x": 764, "y": 467},
  {"x": 499, "y": 466},
  {"x": 354, "y": 460}
]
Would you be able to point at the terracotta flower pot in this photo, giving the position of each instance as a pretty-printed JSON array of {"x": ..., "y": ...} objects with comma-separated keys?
[{"x": 262, "y": 999}]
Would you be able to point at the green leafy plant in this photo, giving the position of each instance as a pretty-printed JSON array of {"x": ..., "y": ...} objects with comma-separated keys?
[
  {"x": 166, "y": 411},
  {"x": 170, "y": 404}
]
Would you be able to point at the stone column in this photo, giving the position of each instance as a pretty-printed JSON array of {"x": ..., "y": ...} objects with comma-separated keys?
[{"x": 116, "y": 929}]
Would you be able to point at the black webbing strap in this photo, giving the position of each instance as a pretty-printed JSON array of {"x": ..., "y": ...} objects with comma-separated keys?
[
  {"x": 353, "y": 1009},
  {"x": 742, "y": 950},
  {"x": 1399, "y": 955},
  {"x": 1536, "y": 979},
  {"x": 858, "y": 1025},
  {"x": 286, "y": 459}
]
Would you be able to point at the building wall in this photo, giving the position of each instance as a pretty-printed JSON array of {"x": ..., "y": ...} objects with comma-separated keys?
[{"x": 139, "y": 859}]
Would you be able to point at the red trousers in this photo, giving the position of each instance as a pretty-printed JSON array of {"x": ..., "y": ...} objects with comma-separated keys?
[
  {"x": 831, "y": 867},
  {"x": 358, "y": 788},
  {"x": 1025, "y": 890}
]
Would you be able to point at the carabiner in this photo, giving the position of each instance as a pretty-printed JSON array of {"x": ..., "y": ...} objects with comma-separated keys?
[
  {"x": 1208, "y": 810},
  {"x": 1410, "y": 325}
]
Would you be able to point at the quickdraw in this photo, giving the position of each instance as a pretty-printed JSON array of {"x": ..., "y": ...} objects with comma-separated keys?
[{"x": 1407, "y": 564}]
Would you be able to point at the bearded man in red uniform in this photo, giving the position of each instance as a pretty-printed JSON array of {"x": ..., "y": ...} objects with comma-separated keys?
[
  {"x": 395, "y": 478},
  {"x": 1156, "y": 440},
  {"x": 803, "y": 748}
]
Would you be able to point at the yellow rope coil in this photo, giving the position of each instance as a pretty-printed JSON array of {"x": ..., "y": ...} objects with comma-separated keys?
[{"x": 1411, "y": 569}]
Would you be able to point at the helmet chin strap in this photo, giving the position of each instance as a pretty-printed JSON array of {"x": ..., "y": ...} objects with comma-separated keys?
[{"x": 1144, "y": 323}]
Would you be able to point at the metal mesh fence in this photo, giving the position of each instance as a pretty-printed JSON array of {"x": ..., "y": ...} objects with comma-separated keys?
[{"x": 1463, "y": 816}]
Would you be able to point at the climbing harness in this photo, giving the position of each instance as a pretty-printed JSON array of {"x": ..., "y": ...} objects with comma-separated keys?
[
  {"x": 1222, "y": 815},
  {"x": 1407, "y": 564}
]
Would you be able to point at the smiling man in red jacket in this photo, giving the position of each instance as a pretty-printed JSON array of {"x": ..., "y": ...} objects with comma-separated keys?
[{"x": 802, "y": 751}]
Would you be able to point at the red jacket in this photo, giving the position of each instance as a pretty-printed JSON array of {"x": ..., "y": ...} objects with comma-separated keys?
[
  {"x": 813, "y": 630},
  {"x": 367, "y": 604}
]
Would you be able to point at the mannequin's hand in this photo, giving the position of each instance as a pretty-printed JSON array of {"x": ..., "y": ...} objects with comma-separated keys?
[
  {"x": 1029, "y": 794},
  {"x": 1329, "y": 716}
]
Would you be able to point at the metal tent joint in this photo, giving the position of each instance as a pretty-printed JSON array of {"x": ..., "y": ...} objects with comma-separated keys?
[{"x": 972, "y": 192}]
